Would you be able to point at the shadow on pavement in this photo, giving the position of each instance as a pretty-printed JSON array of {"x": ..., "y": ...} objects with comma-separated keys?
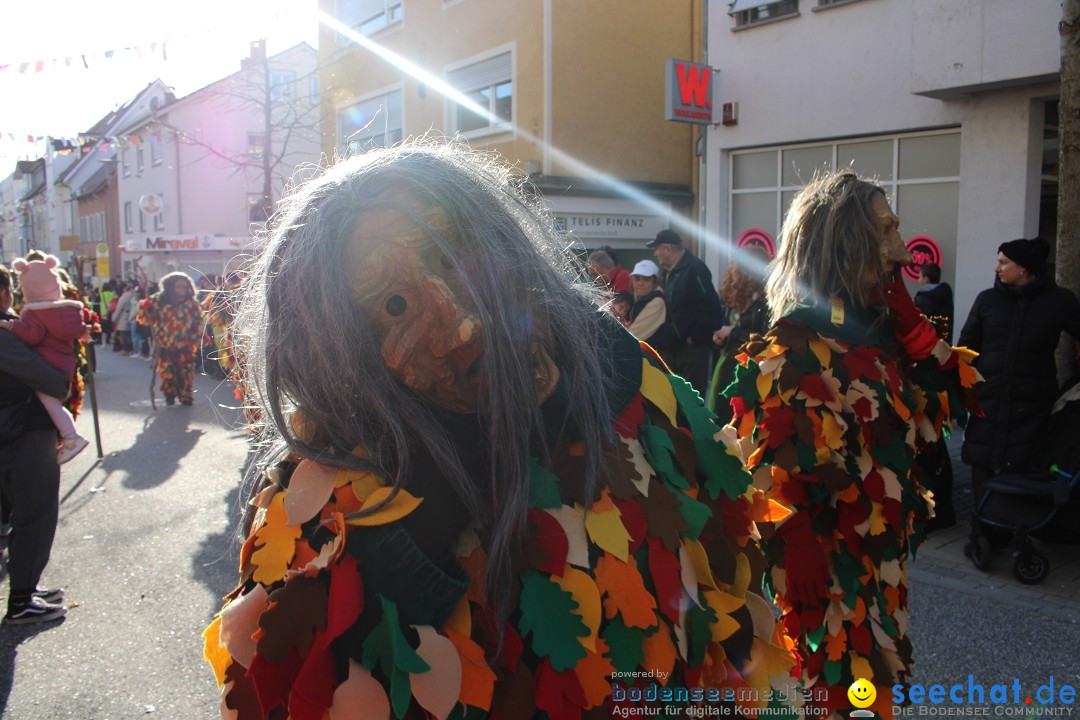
[
  {"x": 11, "y": 636},
  {"x": 156, "y": 453}
]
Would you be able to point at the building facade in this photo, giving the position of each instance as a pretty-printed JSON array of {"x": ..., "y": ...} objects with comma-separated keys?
[
  {"x": 950, "y": 104},
  {"x": 198, "y": 176},
  {"x": 574, "y": 93}
]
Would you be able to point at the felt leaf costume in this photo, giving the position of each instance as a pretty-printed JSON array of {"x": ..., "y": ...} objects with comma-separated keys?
[
  {"x": 660, "y": 574},
  {"x": 177, "y": 332},
  {"x": 830, "y": 418}
]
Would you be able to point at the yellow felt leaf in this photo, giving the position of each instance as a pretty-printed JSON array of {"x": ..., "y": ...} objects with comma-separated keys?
[
  {"x": 724, "y": 626},
  {"x": 700, "y": 561},
  {"x": 402, "y": 504},
  {"x": 585, "y": 593},
  {"x": 832, "y": 430},
  {"x": 764, "y": 384},
  {"x": 275, "y": 544},
  {"x": 214, "y": 652},
  {"x": 657, "y": 389},
  {"x": 363, "y": 483},
  {"x": 742, "y": 576},
  {"x": 860, "y": 666},
  {"x": 460, "y": 620},
  {"x": 606, "y": 530},
  {"x": 877, "y": 518},
  {"x": 821, "y": 351},
  {"x": 723, "y": 602},
  {"x": 966, "y": 356}
]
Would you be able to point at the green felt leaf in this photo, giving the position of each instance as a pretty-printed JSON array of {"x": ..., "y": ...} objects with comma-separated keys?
[
  {"x": 547, "y": 612},
  {"x": 695, "y": 513},
  {"x": 832, "y": 672},
  {"x": 543, "y": 487},
  {"x": 387, "y": 647},
  {"x": 814, "y": 637},
  {"x": 723, "y": 472},
  {"x": 745, "y": 384},
  {"x": 698, "y": 633},
  {"x": 848, "y": 569},
  {"x": 626, "y": 646},
  {"x": 660, "y": 452},
  {"x": 888, "y": 624}
]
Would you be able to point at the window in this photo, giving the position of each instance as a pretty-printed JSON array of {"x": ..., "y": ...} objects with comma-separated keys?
[
  {"x": 159, "y": 218},
  {"x": 368, "y": 17},
  {"x": 488, "y": 83},
  {"x": 255, "y": 212},
  {"x": 155, "y": 150},
  {"x": 127, "y": 217},
  {"x": 124, "y": 162},
  {"x": 139, "y": 163},
  {"x": 281, "y": 85},
  {"x": 84, "y": 229},
  {"x": 750, "y": 12},
  {"x": 142, "y": 220},
  {"x": 313, "y": 88},
  {"x": 373, "y": 122},
  {"x": 256, "y": 145}
]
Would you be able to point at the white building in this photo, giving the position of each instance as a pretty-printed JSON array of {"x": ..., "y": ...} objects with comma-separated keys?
[
  {"x": 951, "y": 104},
  {"x": 191, "y": 175}
]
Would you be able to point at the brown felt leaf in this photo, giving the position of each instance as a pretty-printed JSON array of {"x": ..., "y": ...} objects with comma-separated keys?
[
  {"x": 622, "y": 475},
  {"x": 514, "y": 697},
  {"x": 804, "y": 426},
  {"x": 787, "y": 457},
  {"x": 570, "y": 469},
  {"x": 790, "y": 376},
  {"x": 296, "y": 612},
  {"x": 834, "y": 478},
  {"x": 662, "y": 513},
  {"x": 238, "y": 694}
]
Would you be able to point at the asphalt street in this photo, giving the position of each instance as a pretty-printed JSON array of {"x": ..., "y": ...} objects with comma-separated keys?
[{"x": 146, "y": 547}]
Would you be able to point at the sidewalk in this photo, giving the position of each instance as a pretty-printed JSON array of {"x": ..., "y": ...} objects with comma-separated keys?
[{"x": 940, "y": 562}]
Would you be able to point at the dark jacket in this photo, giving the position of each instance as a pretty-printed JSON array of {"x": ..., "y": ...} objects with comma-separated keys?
[
  {"x": 693, "y": 305},
  {"x": 753, "y": 320},
  {"x": 1015, "y": 330},
  {"x": 24, "y": 372},
  {"x": 936, "y": 303}
]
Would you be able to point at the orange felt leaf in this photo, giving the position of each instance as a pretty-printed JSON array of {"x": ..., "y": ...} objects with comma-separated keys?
[
  {"x": 836, "y": 645},
  {"x": 624, "y": 592},
  {"x": 214, "y": 652},
  {"x": 860, "y": 615},
  {"x": 402, "y": 504},
  {"x": 475, "y": 563},
  {"x": 477, "y": 679},
  {"x": 275, "y": 543},
  {"x": 310, "y": 487},
  {"x": 593, "y": 672},
  {"x": 304, "y": 554},
  {"x": 347, "y": 501},
  {"x": 585, "y": 593},
  {"x": 660, "y": 653}
]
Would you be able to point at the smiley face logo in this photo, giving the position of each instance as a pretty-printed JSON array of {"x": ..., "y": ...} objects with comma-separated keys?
[{"x": 862, "y": 693}]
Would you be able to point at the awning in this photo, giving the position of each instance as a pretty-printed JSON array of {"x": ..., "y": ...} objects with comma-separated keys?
[{"x": 741, "y": 5}]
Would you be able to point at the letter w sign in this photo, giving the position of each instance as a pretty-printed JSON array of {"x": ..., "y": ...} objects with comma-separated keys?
[{"x": 688, "y": 92}]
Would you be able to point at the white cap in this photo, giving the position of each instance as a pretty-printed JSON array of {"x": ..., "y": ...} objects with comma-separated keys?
[{"x": 646, "y": 268}]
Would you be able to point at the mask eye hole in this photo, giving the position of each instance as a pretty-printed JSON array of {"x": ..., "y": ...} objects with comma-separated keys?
[{"x": 396, "y": 306}]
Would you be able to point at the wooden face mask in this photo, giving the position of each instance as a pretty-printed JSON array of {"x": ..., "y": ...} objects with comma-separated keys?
[{"x": 430, "y": 334}]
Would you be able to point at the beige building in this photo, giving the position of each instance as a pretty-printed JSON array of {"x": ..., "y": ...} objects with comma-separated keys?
[{"x": 571, "y": 87}]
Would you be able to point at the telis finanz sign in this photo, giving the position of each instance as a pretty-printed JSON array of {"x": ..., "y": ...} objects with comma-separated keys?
[{"x": 689, "y": 89}]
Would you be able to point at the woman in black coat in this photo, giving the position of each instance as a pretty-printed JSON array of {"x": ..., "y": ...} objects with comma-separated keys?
[{"x": 1015, "y": 327}]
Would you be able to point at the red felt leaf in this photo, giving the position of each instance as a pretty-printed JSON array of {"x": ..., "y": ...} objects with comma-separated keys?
[
  {"x": 860, "y": 363},
  {"x": 273, "y": 680},
  {"x": 892, "y": 512},
  {"x": 738, "y": 407},
  {"x": 813, "y": 385},
  {"x": 860, "y": 638},
  {"x": 313, "y": 690},
  {"x": 874, "y": 486},
  {"x": 511, "y": 648},
  {"x": 779, "y": 421},
  {"x": 346, "y": 597},
  {"x": 548, "y": 546},
  {"x": 634, "y": 520},
  {"x": 558, "y": 693},
  {"x": 631, "y": 417},
  {"x": 848, "y": 516},
  {"x": 666, "y": 576}
]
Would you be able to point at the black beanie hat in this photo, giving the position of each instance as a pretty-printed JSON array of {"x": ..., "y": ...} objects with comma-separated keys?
[{"x": 1028, "y": 254}]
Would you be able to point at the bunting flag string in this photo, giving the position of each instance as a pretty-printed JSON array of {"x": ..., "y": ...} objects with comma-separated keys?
[{"x": 139, "y": 52}]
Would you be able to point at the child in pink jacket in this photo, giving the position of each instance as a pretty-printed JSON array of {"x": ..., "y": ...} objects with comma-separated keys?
[{"x": 50, "y": 324}]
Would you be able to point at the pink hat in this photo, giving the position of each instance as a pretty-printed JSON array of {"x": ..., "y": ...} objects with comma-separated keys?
[{"x": 38, "y": 281}]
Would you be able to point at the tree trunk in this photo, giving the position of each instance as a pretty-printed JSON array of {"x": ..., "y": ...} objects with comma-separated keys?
[
  {"x": 268, "y": 146},
  {"x": 1068, "y": 230}
]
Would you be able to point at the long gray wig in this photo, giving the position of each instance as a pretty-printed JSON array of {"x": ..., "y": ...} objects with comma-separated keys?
[{"x": 312, "y": 347}]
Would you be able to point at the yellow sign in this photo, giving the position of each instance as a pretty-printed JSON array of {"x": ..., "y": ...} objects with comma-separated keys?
[
  {"x": 102, "y": 250},
  {"x": 69, "y": 243},
  {"x": 103, "y": 268}
]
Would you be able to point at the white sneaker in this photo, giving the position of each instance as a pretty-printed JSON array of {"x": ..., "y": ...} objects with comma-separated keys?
[{"x": 72, "y": 446}]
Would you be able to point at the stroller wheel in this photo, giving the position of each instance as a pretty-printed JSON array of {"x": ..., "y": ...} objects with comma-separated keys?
[
  {"x": 981, "y": 551},
  {"x": 1031, "y": 567}
]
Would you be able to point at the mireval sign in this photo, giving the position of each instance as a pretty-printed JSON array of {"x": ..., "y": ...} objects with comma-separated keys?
[
  {"x": 186, "y": 243},
  {"x": 689, "y": 89}
]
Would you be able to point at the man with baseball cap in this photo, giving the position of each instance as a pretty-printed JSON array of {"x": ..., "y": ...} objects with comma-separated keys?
[{"x": 685, "y": 341}]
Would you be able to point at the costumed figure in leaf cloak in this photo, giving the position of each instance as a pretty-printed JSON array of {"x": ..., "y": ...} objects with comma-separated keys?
[
  {"x": 831, "y": 406},
  {"x": 176, "y": 324},
  {"x": 486, "y": 499}
]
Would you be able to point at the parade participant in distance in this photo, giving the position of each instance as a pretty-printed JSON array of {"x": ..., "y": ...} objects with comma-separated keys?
[{"x": 176, "y": 323}]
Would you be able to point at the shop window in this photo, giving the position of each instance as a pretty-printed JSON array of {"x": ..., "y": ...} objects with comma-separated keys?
[
  {"x": 368, "y": 17},
  {"x": 754, "y": 170},
  {"x": 127, "y": 217},
  {"x": 932, "y": 156},
  {"x": 750, "y": 12},
  {"x": 125, "y": 164},
  {"x": 489, "y": 84},
  {"x": 871, "y": 159},
  {"x": 256, "y": 145},
  {"x": 281, "y": 86},
  {"x": 375, "y": 121},
  {"x": 800, "y": 164}
]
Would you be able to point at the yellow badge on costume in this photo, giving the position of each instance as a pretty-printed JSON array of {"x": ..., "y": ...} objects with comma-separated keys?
[{"x": 837, "y": 307}]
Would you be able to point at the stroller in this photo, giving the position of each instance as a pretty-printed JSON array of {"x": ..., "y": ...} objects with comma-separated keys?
[{"x": 1041, "y": 501}]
